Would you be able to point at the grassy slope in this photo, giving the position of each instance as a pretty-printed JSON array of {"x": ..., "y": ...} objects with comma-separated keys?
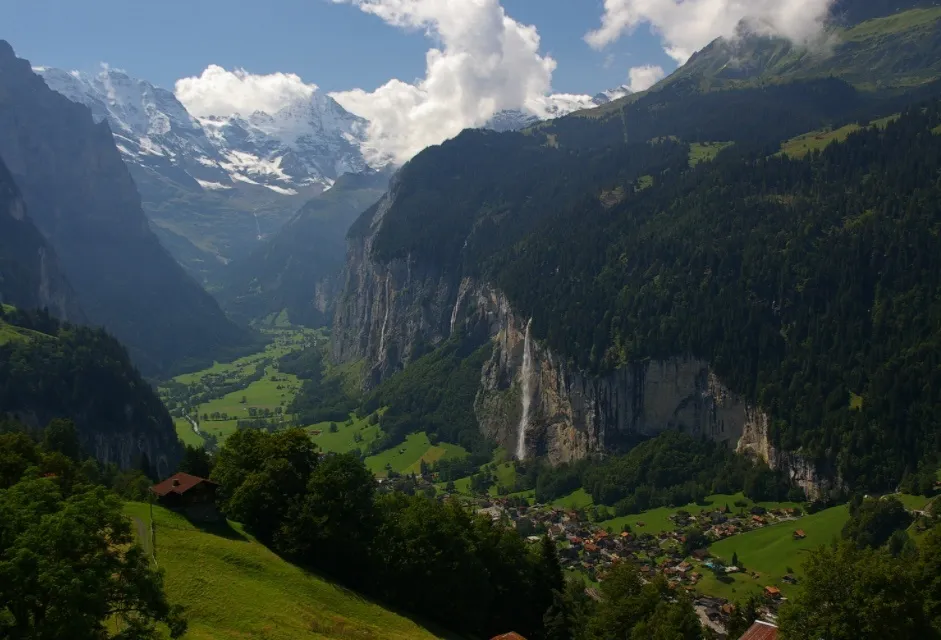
[
  {"x": 819, "y": 140},
  {"x": 343, "y": 440},
  {"x": 10, "y": 333},
  {"x": 576, "y": 500},
  {"x": 406, "y": 457},
  {"x": 770, "y": 552},
  {"x": 235, "y": 588},
  {"x": 705, "y": 151},
  {"x": 657, "y": 520}
]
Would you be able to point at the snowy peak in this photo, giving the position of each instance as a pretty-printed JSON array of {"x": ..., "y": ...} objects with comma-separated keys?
[
  {"x": 612, "y": 94},
  {"x": 551, "y": 107},
  {"x": 307, "y": 144}
]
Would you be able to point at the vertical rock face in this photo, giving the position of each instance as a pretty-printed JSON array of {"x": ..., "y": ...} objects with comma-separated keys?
[
  {"x": 387, "y": 310},
  {"x": 30, "y": 275}
]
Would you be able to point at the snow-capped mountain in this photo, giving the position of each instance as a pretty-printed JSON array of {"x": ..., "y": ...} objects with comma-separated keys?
[
  {"x": 306, "y": 144},
  {"x": 551, "y": 107}
]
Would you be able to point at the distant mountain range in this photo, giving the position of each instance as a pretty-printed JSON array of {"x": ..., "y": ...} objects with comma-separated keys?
[{"x": 214, "y": 186}]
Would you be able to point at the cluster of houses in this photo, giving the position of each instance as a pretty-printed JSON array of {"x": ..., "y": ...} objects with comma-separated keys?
[{"x": 590, "y": 549}]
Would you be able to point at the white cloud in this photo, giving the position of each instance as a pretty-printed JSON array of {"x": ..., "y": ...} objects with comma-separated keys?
[
  {"x": 685, "y": 26},
  {"x": 219, "y": 92},
  {"x": 642, "y": 78},
  {"x": 483, "y": 62}
]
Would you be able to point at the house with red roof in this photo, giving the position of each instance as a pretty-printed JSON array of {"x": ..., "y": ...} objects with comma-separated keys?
[
  {"x": 195, "y": 497},
  {"x": 761, "y": 631}
]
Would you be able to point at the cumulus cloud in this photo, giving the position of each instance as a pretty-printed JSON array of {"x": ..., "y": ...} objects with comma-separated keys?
[
  {"x": 686, "y": 26},
  {"x": 642, "y": 78},
  {"x": 483, "y": 62},
  {"x": 219, "y": 92}
]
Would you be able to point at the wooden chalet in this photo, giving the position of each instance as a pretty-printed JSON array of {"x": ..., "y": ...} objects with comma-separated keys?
[{"x": 195, "y": 497}]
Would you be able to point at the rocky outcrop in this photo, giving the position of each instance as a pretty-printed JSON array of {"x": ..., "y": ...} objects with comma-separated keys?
[{"x": 388, "y": 311}]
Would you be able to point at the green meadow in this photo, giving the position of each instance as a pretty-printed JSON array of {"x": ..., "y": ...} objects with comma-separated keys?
[
  {"x": 235, "y": 588},
  {"x": 406, "y": 458},
  {"x": 771, "y": 552}
]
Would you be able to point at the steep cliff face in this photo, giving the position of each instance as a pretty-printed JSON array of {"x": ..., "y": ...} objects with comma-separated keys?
[
  {"x": 388, "y": 311},
  {"x": 30, "y": 275}
]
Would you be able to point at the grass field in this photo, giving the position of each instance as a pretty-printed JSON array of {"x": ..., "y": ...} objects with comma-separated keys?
[
  {"x": 407, "y": 457},
  {"x": 9, "y": 333},
  {"x": 184, "y": 431},
  {"x": 505, "y": 475},
  {"x": 576, "y": 500},
  {"x": 913, "y": 503},
  {"x": 235, "y": 588},
  {"x": 261, "y": 394},
  {"x": 819, "y": 140},
  {"x": 344, "y": 440},
  {"x": 898, "y": 23},
  {"x": 657, "y": 520},
  {"x": 705, "y": 151},
  {"x": 770, "y": 552}
]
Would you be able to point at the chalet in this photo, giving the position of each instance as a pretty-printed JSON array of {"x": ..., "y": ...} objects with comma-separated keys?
[
  {"x": 761, "y": 631},
  {"x": 193, "y": 496},
  {"x": 799, "y": 534},
  {"x": 512, "y": 635},
  {"x": 772, "y": 592}
]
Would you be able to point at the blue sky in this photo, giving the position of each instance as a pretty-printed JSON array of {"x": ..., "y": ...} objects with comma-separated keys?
[{"x": 335, "y": 46}]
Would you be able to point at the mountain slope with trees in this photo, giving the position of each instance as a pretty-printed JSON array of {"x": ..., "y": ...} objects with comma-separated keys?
[
  {"x": 807, "y": 284},
  {"x": 50, "y": 370}
]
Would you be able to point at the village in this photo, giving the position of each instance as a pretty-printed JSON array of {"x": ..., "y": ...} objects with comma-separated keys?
[{"x": 680, "y": 556}]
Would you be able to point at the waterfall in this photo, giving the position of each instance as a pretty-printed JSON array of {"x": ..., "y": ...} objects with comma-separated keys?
[
  {"x": 257, "y": 226},
  {"x": 527, "y": 392}
]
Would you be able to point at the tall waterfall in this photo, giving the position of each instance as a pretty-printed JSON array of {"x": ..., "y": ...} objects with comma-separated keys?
[{"x": 527, "y": 392}]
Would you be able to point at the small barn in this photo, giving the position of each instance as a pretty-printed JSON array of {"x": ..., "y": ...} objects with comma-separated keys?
[{"x": 193, "y": 496}]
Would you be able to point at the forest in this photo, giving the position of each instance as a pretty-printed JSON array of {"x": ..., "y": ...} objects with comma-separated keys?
[{"x": 82, "y": 374}]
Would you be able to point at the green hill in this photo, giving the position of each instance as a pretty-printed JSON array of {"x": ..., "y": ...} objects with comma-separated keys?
[{"x": 235, "y": 588}]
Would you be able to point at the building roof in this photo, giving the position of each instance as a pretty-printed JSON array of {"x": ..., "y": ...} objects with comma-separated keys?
[
  {"x": 512, "y": 635},
  {"x": 761, "y": 631},
  {"x": 179, "y": 483}
]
